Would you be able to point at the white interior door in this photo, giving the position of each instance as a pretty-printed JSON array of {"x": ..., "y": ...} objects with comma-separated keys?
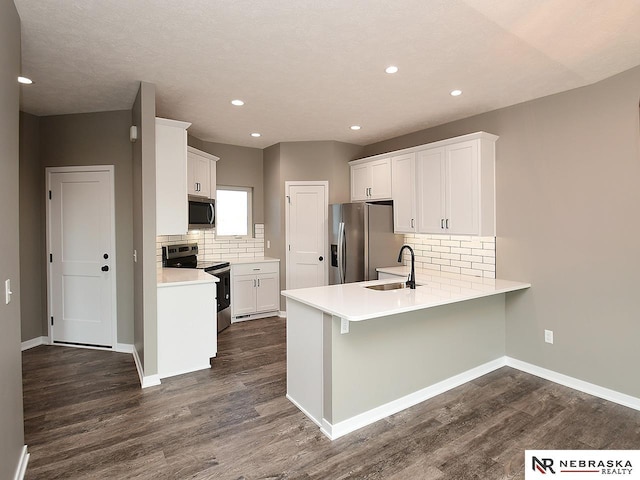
[
  {"x": 82, "y": 256},
  {"x": 307, "y": 234}
]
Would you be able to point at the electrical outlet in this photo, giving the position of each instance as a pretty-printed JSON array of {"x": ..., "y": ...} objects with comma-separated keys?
[
  {"x": 344, "y": 326},
  {"x": 548, "y": 336}
]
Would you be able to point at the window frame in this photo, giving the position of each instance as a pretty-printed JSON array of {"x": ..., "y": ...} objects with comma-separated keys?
[{"x": 249, "y": 192}]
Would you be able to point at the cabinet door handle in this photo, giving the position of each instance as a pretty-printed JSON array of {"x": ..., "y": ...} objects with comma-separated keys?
[
  {"x": 254, "y": 283},
  {"x": 447, "y": 223},
  {"x": 442, "y": 223},
  {"x": 258, "y": 282},
  {"x": 412, "y": 223}
]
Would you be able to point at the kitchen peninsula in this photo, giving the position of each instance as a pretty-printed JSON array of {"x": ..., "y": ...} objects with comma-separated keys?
[{"x": 356, "y": 355}]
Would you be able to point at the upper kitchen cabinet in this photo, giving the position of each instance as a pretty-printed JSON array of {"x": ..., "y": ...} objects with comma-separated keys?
[
  {"x": 370, "y": 179},
  {"x": 171, "y": 177},
  {"x": 201, "y": 173},
  {"x": 403, "y": 190},
  {"x": 455, "y": 186}
]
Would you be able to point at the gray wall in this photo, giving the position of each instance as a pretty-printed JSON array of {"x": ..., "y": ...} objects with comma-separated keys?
[
  {"x": 568, "y": 193},
  {"x": 33, "y": 309},
  {"x": 93, "y": 139},
  {"x": 12, "y": 437},
  {"x": 144, "y": 229},
  {"x": 239, "y": 167},
  {"x": 273, "y": 208},
  {"x": 302, "y": 161},
  {"x": 377, "y": 363}
]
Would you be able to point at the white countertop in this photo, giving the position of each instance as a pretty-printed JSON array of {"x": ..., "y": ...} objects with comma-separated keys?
[
  {"x": 172, "y": 277},
  {"x": 353, "y": 302},
  {"x": 241, "y": 261}
]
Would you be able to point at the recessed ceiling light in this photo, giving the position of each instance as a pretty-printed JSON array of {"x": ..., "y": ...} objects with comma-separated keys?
[
  {"x": 25, "y": 80},
  {"x": 456, "y": 93},
  {"x": 237, "y": 103},
  {"x": 391, "y": 69},
  {"x": 355, "y": 127},
  {"x": 256, "y": 134}
]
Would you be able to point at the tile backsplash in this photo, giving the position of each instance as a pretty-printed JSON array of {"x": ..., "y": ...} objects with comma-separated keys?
[
  {"x": 454, "y": 253},
  {"x": 211, "y": 248},
  {"x": 447, "y": 253}
]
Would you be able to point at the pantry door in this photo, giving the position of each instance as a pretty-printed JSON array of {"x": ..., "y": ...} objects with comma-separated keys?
[
  {"x": 81, "y": 256},
  {"x": 306, "y": 233}
]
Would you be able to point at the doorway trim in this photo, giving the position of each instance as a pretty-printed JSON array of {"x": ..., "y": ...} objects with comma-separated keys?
[
  {"x": 114, "y": 302},
  {"x": 302, "y": 183}
]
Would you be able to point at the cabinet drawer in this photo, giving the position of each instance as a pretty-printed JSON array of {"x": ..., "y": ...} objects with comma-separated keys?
[{"x": 255, "y": 268}]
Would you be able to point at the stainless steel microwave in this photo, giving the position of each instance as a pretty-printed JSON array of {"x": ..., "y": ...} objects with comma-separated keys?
[{"x": 202, "y": 214}]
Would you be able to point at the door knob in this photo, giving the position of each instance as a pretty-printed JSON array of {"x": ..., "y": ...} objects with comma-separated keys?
[
  {"x": 321, "y": 258},
  {"x": 105, "y": 268},
  {"x": 105, "y": 256}
]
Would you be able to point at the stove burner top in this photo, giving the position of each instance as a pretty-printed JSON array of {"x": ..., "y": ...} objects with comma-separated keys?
[{"x": 186, "y": 256}]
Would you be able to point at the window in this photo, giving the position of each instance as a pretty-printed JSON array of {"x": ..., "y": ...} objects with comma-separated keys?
[{"x": 233, "y": 211}]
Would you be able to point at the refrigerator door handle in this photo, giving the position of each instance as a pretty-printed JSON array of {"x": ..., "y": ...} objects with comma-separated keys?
[{"x": 341, "y": 252}]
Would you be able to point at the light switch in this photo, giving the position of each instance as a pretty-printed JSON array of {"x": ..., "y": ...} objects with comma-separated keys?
[{"x": 7, "y": 291}]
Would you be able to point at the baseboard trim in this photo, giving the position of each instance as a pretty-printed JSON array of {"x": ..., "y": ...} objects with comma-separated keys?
[
  {"x": 22, "y": 464},
  {"x": 183, "y": 371},
  {"x": 282, "y": 314},
  {"x": 124, "y": 348},
  {"x": 149, "y": 380},
  {"x": 34, "y": 342},
  {"x": 254, "y": 316},
  {"x": 367, "y": 418},
  {"x": 576, "y": 384},
  {"x": 299, "y": 407}
]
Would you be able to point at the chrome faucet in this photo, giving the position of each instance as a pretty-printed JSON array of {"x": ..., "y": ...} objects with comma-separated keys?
[{"x": 411, "y": 283}]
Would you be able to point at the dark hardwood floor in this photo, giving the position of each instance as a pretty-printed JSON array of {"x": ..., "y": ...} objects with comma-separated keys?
[{"x": 87, "y": 418}]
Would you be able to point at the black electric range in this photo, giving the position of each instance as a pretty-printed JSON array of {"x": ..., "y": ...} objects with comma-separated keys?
[{"x": 186, "y": 256}]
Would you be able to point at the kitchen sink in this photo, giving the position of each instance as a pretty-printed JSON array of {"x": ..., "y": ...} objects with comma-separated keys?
[{"x": 389, "y": 286}]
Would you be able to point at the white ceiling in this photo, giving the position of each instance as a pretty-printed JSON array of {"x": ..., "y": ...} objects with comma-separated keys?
[{"x": 309, "y": 69}]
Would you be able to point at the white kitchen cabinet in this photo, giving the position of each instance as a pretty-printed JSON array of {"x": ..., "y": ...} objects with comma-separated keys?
[
  {"x": 403, "y": 192},
  {"x": 430, "y": 194},
  {"x": 389, "y": 276},
  {"x": 456, "y": 187},
  {"x": 201, "y": 173},
  {"x": 187, "y": 333},
  {"x": 171, "y": 177},
  {"x": 255, "y": 290},
  {"x": 370, "y": 179}
]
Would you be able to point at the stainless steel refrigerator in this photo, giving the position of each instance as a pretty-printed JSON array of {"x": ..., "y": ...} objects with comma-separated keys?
[{"x": 361, "y": 239}]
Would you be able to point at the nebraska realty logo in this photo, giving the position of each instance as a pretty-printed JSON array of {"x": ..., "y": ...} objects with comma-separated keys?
[{"x": 582, "y": 464}]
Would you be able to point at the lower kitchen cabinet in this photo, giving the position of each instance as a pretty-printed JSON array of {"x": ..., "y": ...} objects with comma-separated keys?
[
  {"x": 187, "y": 333},
  {"x": 255, "y": 290}
]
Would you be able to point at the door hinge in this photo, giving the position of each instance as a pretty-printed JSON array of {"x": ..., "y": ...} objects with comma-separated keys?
[
  {"x": 52, "y": 321},
  {"x": 51, "y": 258},
  {"x": 49, "y": 194}
]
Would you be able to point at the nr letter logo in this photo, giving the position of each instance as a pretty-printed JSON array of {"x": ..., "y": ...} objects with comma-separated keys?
[{"x": 542, "y": 465}]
